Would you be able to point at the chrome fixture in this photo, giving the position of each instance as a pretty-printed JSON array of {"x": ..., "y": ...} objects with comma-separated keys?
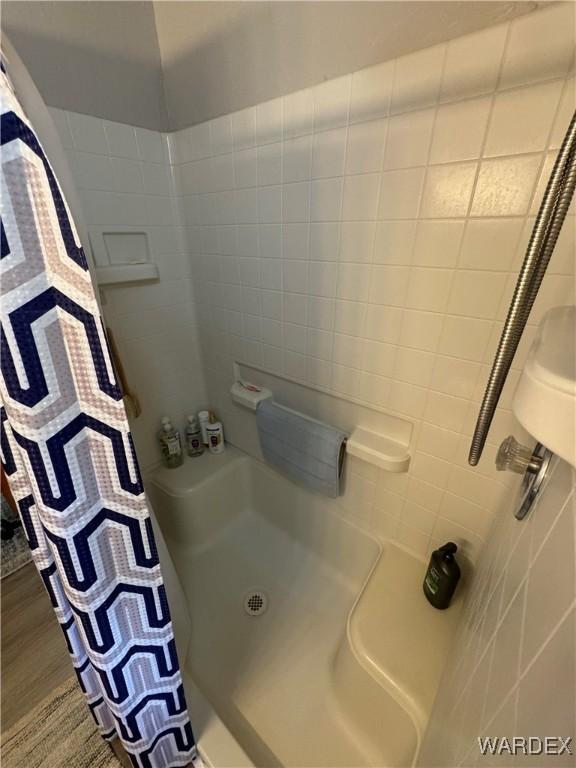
[
  {"x": 551, "y": 215},
  {"x": 514, "y": 457},
  {"x": 533, "y": 465}
]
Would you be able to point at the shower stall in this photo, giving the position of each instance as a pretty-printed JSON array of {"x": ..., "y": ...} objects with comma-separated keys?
[{"x": 348, "y": 235}]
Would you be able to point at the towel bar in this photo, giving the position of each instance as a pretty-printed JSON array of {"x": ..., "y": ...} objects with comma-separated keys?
[{"x": 372, "y": 447}]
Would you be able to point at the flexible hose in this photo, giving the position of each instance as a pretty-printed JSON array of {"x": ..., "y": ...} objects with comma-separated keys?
[{"x": 551, "y": 216}]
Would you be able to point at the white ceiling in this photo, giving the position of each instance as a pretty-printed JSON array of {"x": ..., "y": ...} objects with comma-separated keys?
[
  {"x": 218, "y": 57},
  {"x": 99, "y": 58},
  {"x": 172, "y": 64}
]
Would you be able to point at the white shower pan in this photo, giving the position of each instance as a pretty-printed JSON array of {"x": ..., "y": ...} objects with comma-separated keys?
[{"x": 310, "y": 641}]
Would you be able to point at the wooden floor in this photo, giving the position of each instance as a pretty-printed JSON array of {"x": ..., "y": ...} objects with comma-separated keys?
[{"x": 34, "y": 658}]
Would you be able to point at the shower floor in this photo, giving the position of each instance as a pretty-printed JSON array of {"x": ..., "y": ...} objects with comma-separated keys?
[
  {"x": 325, "y": 676},
  {"x": 269, "y": 676}
]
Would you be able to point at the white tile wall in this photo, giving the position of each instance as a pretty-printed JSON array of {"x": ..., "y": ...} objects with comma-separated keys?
[
  {"x": 511, "y": 671},
  {"x": 361, "y": 237},
  {"x": 364, "y": 236},
  {"x": 124, "y": 177}
]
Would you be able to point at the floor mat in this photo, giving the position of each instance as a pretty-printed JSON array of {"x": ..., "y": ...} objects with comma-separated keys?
[
  {"x": 15, "y": 550},
  {"x": 59, "y": 733}
]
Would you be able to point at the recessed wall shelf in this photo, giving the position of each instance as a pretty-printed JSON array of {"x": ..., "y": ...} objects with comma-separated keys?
[
  {"x": 122, "y": 256},
  {"x": 378, "y": 450},
  {"x": 127, "y": 273}
]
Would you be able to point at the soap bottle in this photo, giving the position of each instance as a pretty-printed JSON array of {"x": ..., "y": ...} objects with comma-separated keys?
[
  {"x": 194, "y": 442},
  {"x": 215, "y": 433},
  {"x": 442, "y": 576},
  {"x": 170, "y": 444}
]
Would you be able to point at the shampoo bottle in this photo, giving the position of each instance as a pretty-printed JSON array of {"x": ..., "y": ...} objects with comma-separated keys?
[
  {"x": 442, "y": 576},
  {"x": 194, "y": 442},
  {"x": 203, "y": 419},
  {"x": 170, "y": 444},
  {"x": 215, "y": 432}
]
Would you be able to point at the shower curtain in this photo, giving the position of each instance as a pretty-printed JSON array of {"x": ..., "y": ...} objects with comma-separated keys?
[{"x": 68, "y": 454}]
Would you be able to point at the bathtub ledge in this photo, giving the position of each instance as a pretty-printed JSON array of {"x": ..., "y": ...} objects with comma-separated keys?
[
  {"x": 216, "y": 745},
  {"x": 398, "y": 636},
  {"x": 191, "y": 475}
]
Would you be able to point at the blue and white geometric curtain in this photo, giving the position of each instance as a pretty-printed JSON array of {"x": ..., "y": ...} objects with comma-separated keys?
[{"x": 68, "y": 454}]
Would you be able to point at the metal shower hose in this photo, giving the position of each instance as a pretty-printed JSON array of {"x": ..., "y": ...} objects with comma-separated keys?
[{"x": 551, "y": 215}]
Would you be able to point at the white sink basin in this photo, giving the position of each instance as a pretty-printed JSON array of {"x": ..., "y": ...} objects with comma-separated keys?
[{"x": 545, "y": 399}]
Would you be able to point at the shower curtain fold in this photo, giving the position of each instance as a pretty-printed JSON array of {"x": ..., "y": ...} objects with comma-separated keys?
[{"x": 68, "y": 454}]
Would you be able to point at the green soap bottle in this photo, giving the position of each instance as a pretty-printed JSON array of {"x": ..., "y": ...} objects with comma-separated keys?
[
  {"x": 170, "y": 444},
  {"x": 442, "y": 576}
]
